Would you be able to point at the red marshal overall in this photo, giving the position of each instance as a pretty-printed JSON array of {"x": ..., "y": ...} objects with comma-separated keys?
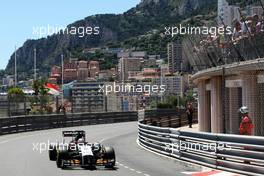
[{"x": 246, "y": 126}]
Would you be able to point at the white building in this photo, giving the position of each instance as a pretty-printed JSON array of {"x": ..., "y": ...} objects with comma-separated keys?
[
  {"x": 252, "y": 10},
  {"x": 174, "y": 85},
  {"x": 114, "y": 101},
  {"x": 87, "y": 97},
  {"x": 223, "y": 9},
  {"x": 8, "y": 81},
  {"x": 227, "y": 13},
  {"x": 135, "y": 54},
  {"x": 234, "y": 13}
]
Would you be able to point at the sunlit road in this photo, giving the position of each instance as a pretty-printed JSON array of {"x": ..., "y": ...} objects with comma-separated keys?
[{"x": 20, "y": 158}]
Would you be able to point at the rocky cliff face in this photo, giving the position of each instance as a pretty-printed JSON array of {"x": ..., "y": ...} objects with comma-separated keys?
[{"x": 148, "y": 15}]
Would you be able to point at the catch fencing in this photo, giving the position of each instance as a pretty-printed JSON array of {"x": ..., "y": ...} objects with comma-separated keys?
[{"x": 168, "y": 117}]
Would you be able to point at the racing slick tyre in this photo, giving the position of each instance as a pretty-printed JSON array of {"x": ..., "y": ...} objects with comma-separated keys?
[
  {"x": 110, "y": 157},
  {"x": 60, "y": 157},
  {"x": 52, "y": 153}
]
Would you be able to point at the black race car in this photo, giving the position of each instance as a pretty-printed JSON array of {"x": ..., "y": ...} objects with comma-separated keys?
[{"x": 79, "y": 153}]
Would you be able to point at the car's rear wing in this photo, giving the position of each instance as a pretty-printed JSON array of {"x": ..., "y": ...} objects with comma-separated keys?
[{"x": 72, "y": 133}]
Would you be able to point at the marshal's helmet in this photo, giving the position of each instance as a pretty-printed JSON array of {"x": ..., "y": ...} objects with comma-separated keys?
[{"x": 244, "y": 110}]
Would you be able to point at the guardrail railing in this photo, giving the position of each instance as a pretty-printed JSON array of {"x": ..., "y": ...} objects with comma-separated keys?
[
  {"x": 32, "y": 123},
  {"x": 41, "y": 122},
  {"x": 234, "y": 153}
]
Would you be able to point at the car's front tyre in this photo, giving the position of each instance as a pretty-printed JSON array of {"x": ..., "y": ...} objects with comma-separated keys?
[
  {"x": 52, "y": 153},
  {"x": 110, "y": 157},
  {"x": 59, "y": 161}
]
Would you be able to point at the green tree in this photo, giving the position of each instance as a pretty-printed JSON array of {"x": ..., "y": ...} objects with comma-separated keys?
[
  {"x": 15, "y": 91},
  {"x": 41, "y": 94},
  {"x": 39, "y": 87},
  {"x": 16, "y": 96},
  {"x": 36, "y": 87}
]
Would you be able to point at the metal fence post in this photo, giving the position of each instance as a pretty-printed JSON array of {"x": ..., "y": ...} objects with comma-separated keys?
[
  {"x": 17, "y": 126},
  {"x": 25, "y": 123},
  {"x": 180, "y": 120},
  {"x": 223, "y": 99},
  {"x": 1, "y": 125},
  {"x": 25, "y": 105},
  {"x": 8, "y": 107}
]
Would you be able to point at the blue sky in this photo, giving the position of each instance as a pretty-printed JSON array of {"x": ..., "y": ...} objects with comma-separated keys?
[{"x": 18, "y": 18}]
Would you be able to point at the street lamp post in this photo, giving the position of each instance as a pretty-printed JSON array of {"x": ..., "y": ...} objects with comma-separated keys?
[
  {"x": 161, "y": 79},
  {"x": 35, "y": 64},
  {"x": 223, "y": 99},
  {"x": 15, "y": 66},
  {"x": 62, "y": 71}
]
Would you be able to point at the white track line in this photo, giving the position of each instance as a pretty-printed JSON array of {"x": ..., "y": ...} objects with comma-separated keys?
[{"x": 131, "y": 169}]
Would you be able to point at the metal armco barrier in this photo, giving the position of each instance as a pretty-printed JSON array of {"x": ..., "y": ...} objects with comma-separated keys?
[
  {"x": 32, "y": 123},
  {"x": 234, "y": 153}
]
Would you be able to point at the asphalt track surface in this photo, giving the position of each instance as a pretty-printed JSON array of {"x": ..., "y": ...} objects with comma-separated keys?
[{"x": 20, "y": 157}]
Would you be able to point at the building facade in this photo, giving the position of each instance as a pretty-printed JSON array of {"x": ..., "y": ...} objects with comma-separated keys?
[
  {"x": 70, "y": 71},
  {"x": 135, "y": 54},
  {"x": 227, "y": 13},
  {"x": 175, "y": 59},
  {"x": 8, "y": 81},
  {"x": 174, "y": 85},
  {"x": 93, "y": 69},
  {"x": 87, "y": 97},
  {"x": 130, "y": 67},
  {"x": 83, "y": 71},
  {"x": 252, "y": 10},
  {"x": 128, "y": 64},
  {"x": 75, "y": 70},
  {"x": 223, "y": 12}
]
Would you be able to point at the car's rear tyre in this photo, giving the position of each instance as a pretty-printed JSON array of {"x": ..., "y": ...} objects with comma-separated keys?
[
  {"x": 110, "y": 157},
  {"x": 52, "y": 153}
]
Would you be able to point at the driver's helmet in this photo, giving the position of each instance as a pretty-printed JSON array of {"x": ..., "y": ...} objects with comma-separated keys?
[
  {"x": 97, "y": 146},
  {"x": 244, "y": 110},
  {"x": 79, "y": 136},
  {"x": 81, "y": 140}
]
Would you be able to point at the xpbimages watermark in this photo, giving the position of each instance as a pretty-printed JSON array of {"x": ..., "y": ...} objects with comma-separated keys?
[
  {"x": 128, "y": 88},
  {"x": 80, "y": 31},
  {"x": 42, "y": 147},
  {"x": 191, "y": 30},
  {"x": 187, "y": 145}
]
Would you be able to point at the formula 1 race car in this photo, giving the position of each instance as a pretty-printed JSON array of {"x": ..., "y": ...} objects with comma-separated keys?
[{"x": 79, "y": 153}]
